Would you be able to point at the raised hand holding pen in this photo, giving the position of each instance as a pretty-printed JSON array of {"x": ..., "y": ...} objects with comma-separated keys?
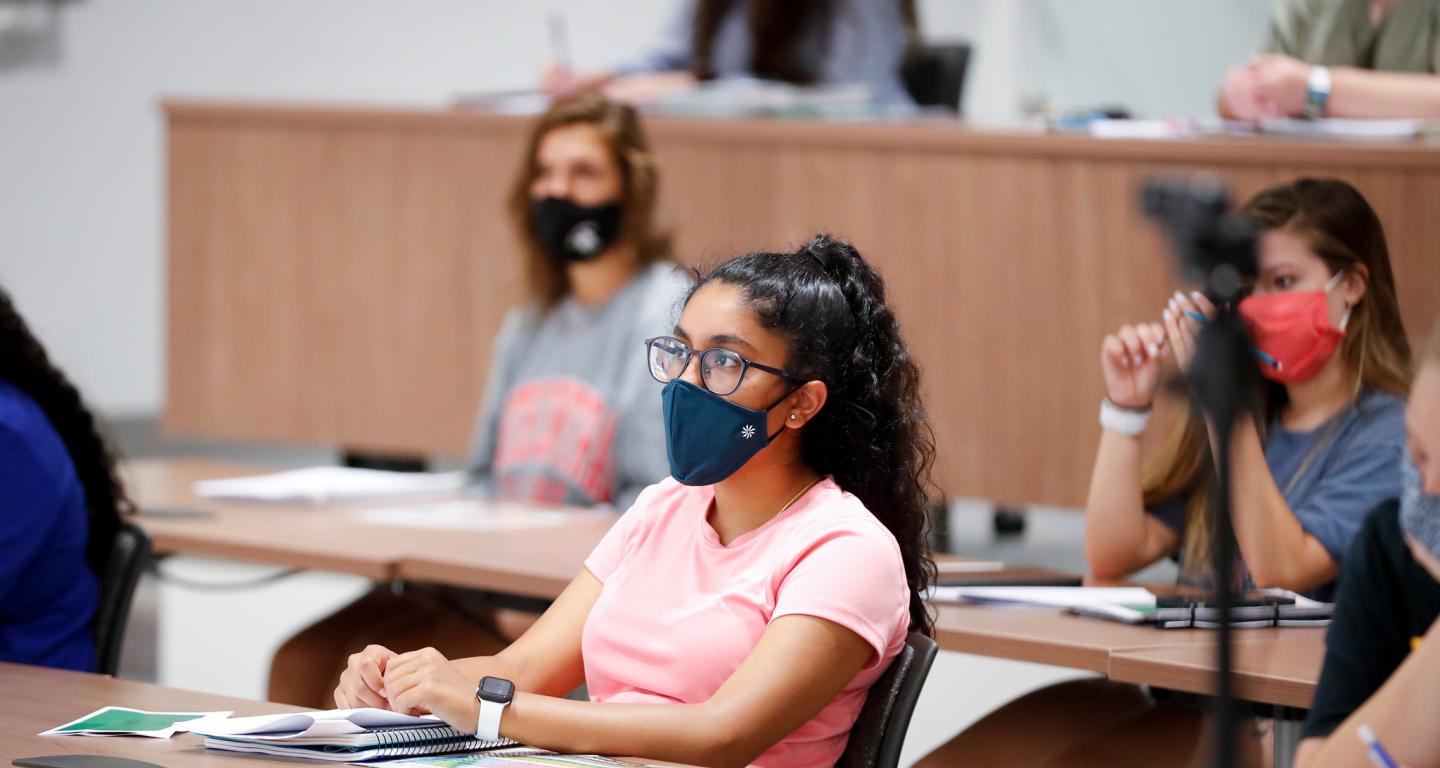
[{"x": 1184, "y": 315}]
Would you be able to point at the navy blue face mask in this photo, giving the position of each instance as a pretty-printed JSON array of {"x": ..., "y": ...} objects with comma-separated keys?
[{"x": 707, "y": 437}]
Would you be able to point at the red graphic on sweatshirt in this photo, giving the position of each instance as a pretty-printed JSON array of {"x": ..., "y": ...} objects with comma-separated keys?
[{"x": 555, "y": 434}]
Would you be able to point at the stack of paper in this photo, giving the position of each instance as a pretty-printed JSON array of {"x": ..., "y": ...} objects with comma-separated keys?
[
  {"x": 1340, "y": 128},
  {"x": 1054, "y": 597},
  {"x": 320, "y": 485},
  {"x": 345, "y": 735}
]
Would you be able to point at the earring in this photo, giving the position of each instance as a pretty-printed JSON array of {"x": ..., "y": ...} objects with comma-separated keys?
[{"x": 793, "y": 417}]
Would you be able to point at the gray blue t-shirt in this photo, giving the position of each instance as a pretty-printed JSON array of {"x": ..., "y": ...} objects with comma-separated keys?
[
  {"x": 571, "y": 414},
  {"x": 1355, "y": 467}
]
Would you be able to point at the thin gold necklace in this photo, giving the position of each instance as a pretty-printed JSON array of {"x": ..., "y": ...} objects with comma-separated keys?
[{"x": 797, "y": 496}]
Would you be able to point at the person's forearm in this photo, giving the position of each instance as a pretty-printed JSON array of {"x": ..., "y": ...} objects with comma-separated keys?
[
  {"x": 1362, "y": 93},
  {"x": 694, "y": 734},
  {"x": 1276, "y": 548},
  {"x": 1115, "y": 529},
  {"x": 1402, "y": 714}
]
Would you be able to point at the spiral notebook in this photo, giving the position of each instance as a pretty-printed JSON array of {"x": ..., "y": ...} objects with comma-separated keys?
[
  {"x": 1265, "y": 608},
  {"x": 347, "y": 735}
]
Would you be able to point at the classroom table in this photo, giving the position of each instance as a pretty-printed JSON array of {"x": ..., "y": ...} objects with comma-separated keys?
[
  {"x": 539, "y": 561},
  {"x": 520, "y": 550},
  {"x": 336, "y": 275},
  {"x": 526, "y": 551},
  {"x": 1274, "y": 666},
  {"x": 38, "y": 698},
  {"x": 1278, "y": 666}
]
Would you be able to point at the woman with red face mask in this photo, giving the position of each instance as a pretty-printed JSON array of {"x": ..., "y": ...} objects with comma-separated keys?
[
  {"x": 1322, "y": 451},
  {"x": 1323, "y": 448}
]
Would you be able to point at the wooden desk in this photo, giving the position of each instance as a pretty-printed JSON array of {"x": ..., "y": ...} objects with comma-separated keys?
[
  {"x": 37, "y": 699},
  {"x": 1272, "y": 666},
  {"x": 529, "y": 560},
  {"x": 293, "y": 536},
  {"x": 512, "y": 549},
  {"x": 338, "y": 275},
  {"x": 1047, "y": 636}
]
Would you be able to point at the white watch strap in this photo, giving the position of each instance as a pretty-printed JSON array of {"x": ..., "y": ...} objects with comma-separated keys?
[
  {"x": 487, "y": 727},
  {"x": 1123, "y": 421},
  {"x": 1318, "y": 84}
]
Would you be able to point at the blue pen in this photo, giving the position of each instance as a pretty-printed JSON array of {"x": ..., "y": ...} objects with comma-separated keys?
[
  {"x": 1378, "y": 755},
  {"x": 1267, "y": 359},
  {"x": 1259, "y": 353}
]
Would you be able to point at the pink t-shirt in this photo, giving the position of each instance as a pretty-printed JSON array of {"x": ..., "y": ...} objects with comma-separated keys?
[{"x": 679, "y": 611}]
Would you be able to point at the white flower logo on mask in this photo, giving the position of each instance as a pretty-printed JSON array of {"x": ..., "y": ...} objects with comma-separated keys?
[{"x": 747, "y": 431}]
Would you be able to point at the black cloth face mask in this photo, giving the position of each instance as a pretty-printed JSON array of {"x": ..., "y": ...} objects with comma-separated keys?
[{"x": 571, "y": 232}]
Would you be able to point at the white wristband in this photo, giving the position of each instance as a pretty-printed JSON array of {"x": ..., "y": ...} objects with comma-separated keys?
[
  {"x": 1123, "y": 421},
  {"x": 487, "y": 725}
]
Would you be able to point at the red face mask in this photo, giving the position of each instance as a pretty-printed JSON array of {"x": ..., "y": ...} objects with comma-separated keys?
[{"x": 1292, "y": 332}]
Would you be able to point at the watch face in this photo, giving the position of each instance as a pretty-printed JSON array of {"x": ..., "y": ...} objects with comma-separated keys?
[{"x": 496, "y": 689}]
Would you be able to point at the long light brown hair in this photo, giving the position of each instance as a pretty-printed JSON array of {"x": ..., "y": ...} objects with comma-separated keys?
[
  {"x": 1342, "y": 229},
  {"x": 547, "y": 281}
]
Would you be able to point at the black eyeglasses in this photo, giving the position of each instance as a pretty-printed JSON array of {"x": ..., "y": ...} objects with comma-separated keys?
[{"x": 721, "y": 370}]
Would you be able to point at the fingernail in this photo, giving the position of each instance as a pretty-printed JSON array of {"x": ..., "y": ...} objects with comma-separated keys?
[
  {"x": 1166, "y": 313},
  {"x": 1154, "y": 350},
  {"x": 1197, "y": 295},
  {"x": 1179, "y": 296}
]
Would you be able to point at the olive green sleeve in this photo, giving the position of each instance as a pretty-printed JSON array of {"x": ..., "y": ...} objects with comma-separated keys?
[{"x": 1288, "y": 27}]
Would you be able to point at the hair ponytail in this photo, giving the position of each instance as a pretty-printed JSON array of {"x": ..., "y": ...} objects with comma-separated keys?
[{"x": 872, "y": 435}]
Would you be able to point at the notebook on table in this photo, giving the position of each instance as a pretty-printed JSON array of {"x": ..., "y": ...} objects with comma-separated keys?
[
  {"x": 1263, "y": 608},
  {"x": 348, "y": 736},
  {"x": 1139, "y": 606}
]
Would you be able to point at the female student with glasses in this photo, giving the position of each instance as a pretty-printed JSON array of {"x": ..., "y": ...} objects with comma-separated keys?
[
  {"x": 739, "y": 612},
  {"x": 597, "y": 273}
]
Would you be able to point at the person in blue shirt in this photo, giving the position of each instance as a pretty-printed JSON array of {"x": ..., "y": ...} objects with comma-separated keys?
[
  {"x": 60, "y": 506},
  {"x": 1323, "y": 449}
]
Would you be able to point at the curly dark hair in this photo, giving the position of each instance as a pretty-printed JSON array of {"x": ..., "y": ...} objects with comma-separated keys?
[
  {"x": 872, "y": 435},
  {"x": 24, "y": 364}
]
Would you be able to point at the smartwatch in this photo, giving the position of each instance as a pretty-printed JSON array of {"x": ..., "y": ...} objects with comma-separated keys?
[
  {"x": 1317, "y": 92},
  {"x": 494, "y": 695}
]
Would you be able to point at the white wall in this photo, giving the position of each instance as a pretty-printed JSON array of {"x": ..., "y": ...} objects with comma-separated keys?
[{"x": 81, "y": 146}]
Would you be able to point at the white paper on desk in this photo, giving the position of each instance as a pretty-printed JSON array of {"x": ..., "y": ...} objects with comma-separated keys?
[
  {"x": 1172, "y": 128},
  {"x": 463, "y": 516},
  {"x": 1056, "y": 597},
  {"x": 318, "y": 485},
  {"x": 333, "y": 722},
  {"x": 1343, "y": 128}
]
